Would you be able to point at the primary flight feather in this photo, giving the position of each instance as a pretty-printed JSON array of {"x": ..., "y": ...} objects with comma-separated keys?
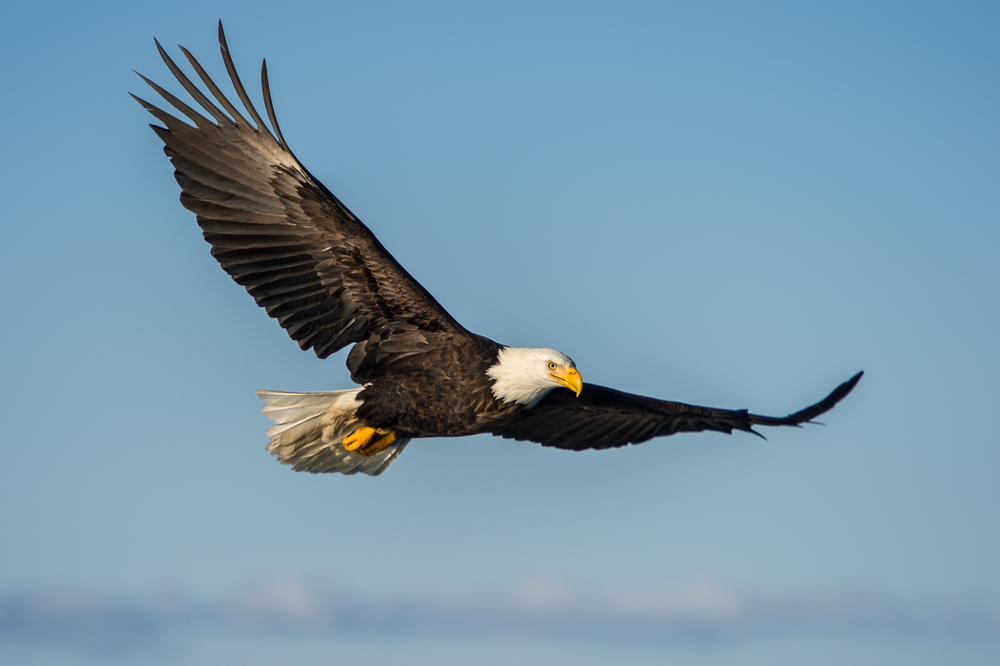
[{"x": 313, "y": 266}]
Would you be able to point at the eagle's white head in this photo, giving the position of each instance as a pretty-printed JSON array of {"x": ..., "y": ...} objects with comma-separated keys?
[{"x": 524, "y": 376}]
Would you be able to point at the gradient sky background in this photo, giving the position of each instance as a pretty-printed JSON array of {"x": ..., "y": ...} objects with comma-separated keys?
[{"x": 729, "y": 204}]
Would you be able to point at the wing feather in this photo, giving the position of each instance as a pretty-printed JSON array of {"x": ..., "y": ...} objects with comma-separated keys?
[
  {"x": 602, "y": 418},
  {"x": 279, "y": 232}
]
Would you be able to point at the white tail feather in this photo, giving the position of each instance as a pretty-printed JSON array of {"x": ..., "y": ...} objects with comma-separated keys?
[{"x": 309, "y": 431}]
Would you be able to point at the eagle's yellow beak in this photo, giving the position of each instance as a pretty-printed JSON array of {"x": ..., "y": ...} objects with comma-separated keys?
[{"x": 569, "y": 378}]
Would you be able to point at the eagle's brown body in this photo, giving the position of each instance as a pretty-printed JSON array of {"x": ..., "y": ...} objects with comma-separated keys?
[{"x": 444, "y": 398}]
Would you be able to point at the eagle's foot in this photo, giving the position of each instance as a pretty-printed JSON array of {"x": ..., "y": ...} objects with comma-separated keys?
[{"x": 369, "y": 441}]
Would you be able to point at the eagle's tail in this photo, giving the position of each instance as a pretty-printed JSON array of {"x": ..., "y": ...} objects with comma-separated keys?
[{"x": 309, "y": 430}]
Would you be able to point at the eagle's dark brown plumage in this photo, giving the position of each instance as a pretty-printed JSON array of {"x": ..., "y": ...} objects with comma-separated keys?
[{"x": 313, "y": 266}]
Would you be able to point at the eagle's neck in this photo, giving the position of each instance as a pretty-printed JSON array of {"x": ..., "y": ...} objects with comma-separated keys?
[{"x": 516, "y": 376}]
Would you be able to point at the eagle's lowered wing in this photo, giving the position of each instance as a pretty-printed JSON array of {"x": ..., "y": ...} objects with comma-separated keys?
[
  {"x": 302, "y": 255},
  {"x": 603, "y": 418}
]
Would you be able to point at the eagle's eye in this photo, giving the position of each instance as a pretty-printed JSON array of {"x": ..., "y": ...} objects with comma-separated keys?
[{"x": 552, "y": 365}]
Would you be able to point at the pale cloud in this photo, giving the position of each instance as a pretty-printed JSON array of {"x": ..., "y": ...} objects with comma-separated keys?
[{"x": 703, "y": 610}]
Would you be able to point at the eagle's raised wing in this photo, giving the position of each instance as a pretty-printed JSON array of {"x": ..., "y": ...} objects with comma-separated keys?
[
  {"x": 302, "y": 255},
  {"x": 602, "y": 418}
]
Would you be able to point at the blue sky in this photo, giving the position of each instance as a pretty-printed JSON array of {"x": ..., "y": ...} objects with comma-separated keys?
[{"x": 760, "y": 199}]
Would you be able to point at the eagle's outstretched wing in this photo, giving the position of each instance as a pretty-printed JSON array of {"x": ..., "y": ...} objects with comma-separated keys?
[
  {"x": 603, "y": 418},
  {"x": 302, "y": 255}
]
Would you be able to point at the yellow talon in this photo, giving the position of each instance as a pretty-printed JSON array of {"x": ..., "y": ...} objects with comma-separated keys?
[
  {"x": 359, "y": 438},
  {"x": 368, "y": 441}
]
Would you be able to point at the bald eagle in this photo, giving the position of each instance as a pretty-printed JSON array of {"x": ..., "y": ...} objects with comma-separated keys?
[{"x": 313, "y": 266}]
